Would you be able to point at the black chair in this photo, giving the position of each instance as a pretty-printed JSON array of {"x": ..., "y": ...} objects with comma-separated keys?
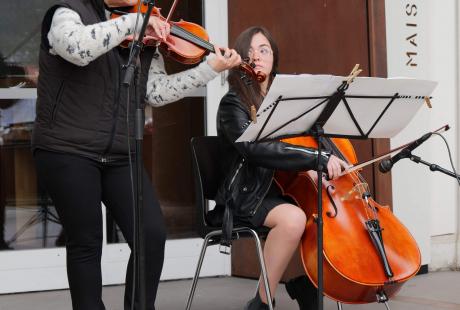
[{"x": 206, "y": 155}]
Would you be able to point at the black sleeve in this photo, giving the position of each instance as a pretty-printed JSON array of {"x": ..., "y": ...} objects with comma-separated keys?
[{"x": 232, "y": 120}]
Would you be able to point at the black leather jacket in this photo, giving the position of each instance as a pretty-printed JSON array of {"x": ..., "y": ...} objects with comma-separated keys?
[{"x": 249, "y": 167}]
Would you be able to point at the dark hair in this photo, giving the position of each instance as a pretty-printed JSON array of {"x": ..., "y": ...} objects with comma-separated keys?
[{"x": 251, "y": 94}]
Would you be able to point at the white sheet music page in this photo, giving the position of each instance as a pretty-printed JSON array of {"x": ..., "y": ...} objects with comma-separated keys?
[
  {"x": 292, "y": 86},
  {"x": 395, "y": 102},
  {"x": 379, "y": 117}
]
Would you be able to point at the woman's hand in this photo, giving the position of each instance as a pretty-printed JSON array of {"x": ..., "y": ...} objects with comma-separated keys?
[
  {"x": 224, "y": 59},
  {"x": 335, "y": 166},
  {"x": 158, "y": 28},
  {"x": 120, "y": 3}
]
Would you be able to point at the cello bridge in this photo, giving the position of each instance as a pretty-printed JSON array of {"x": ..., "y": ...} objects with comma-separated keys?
[{"x": 359, "y": 191}]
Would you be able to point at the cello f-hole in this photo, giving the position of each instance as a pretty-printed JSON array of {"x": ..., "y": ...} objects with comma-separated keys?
[{"x": 331, "y": 199}]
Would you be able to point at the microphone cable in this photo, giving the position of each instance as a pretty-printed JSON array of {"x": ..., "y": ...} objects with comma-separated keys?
[
  {"x": 133, "y": 192},
  {"x": 131, "y": 49},
  {"x": 454, "y": 265}
]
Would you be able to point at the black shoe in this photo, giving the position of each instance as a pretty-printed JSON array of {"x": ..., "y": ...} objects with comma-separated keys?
[
  {"x": 257, "y": 304},
  {"x": 304, "y": 292}
]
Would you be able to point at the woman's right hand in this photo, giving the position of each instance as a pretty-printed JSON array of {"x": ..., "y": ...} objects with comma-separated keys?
[
  {"x": 158, "y": 28},
  {"x": 335, "y": 166},
  {"x": 224, "y": 59}
]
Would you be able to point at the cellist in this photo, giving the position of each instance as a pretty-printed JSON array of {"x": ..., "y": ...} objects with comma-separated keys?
[
  {"x": 80, "y": 138},
  {"x": 249, "y": 169}
]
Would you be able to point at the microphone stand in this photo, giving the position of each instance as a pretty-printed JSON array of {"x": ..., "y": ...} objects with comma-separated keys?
[
  {"x": 131, "y": 71},
  {"x": 433, "y": 167}
]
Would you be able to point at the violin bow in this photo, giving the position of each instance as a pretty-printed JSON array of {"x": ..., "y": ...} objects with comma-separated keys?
[
  {"x": 171, "y": 11},
  {"x": 389, "y": 153}
]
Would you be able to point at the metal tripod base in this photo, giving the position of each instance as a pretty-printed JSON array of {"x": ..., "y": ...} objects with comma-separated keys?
[
  {"x": 340, "y": 307},
  {"x": 382, "y": 298},
  {"x": 44, "y": 216}
]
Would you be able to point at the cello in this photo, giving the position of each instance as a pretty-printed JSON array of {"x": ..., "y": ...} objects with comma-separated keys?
[{"x": 368, "y": 254}]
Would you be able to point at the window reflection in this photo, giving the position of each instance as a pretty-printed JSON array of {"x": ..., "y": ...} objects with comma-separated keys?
[
  {"x": 27, "y": 216},
  {"x": 28, "y": 219}
]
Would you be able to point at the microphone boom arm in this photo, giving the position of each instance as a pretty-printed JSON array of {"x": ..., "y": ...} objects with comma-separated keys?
[{"x": 387, "y": 154}]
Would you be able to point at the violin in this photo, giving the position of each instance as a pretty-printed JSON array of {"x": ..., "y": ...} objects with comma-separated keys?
[
  {"x": 368, "y": 253},
  {"x": 187, "y": 42}
]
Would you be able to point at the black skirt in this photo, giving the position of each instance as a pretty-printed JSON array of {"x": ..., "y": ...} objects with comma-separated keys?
[{"x": 273, "y": 198}]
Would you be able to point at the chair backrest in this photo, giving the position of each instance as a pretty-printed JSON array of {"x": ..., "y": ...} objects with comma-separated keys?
[{"x": 207, "y": 172}]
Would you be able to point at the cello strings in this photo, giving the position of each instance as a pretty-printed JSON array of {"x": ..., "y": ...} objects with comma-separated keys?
[{"x": 360, "y": 183}]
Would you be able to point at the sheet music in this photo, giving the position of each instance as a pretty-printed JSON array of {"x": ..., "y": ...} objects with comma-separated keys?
[{"x": 365, "y": 110}]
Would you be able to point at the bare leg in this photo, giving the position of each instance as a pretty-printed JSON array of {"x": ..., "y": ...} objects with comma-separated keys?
[{"x": 287, "y": 224}]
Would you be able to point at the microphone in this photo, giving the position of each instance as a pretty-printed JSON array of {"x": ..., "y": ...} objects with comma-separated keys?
[{"x": 386, "y": 164}]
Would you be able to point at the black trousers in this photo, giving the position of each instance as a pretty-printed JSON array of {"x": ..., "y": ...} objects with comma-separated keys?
[{"x": 77, "y": 185}]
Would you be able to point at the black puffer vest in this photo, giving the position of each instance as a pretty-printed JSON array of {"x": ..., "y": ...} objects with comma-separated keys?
[{"x": 83, "y": 110}]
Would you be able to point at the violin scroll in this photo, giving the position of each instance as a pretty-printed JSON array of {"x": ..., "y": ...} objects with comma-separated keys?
[{"x": 248, "y": 72}]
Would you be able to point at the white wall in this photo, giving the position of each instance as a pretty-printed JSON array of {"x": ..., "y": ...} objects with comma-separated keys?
[
  {"x": 216, "y": 22},
  {"x": 422, "y": 43}
]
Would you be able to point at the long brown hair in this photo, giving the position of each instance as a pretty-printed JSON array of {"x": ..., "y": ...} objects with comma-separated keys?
[{"x": 251, "y": 95}]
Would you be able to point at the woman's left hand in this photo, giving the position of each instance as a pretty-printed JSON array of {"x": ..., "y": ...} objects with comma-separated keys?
[{"x": 224, "y": 59}]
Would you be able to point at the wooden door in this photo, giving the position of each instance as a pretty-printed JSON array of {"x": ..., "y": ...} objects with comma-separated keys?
[
  {"x": 319, "y": 37},
  {"x": 167, "y": 155}
]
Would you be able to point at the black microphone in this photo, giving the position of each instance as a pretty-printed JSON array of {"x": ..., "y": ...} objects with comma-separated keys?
[{"x": 386, "y": 164}]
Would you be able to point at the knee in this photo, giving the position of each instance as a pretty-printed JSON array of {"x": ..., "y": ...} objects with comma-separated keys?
[
  {"x": 78, "y": 251},
  {"x": 294, "y": 223}
]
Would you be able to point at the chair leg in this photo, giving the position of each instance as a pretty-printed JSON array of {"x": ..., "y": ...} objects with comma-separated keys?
[
  {"x": 339, "y": 305},
  {"x": 198, "y": 268},
  {"x": 263, "y": 268}
]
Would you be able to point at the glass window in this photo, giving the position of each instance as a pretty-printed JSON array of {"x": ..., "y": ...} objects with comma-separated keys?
[{"x": 28, "y": 219}]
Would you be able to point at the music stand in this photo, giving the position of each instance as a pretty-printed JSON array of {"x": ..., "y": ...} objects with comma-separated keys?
[{"x": 331, "y": 106}]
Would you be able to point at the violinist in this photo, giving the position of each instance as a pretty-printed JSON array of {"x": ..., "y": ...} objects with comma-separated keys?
[
  {"x": 80, "y": 138},
  {"x": 249, "y": 168}
]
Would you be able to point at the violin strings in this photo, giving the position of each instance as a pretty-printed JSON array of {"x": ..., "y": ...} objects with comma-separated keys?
[
  {"x": 191, "y": 37},
  {"x": 185, "y": 34}
]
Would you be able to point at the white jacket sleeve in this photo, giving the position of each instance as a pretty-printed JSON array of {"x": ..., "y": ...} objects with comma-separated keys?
[
  {"x": 163, "y": 88},
  {"x": 80, "y": 44}
]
